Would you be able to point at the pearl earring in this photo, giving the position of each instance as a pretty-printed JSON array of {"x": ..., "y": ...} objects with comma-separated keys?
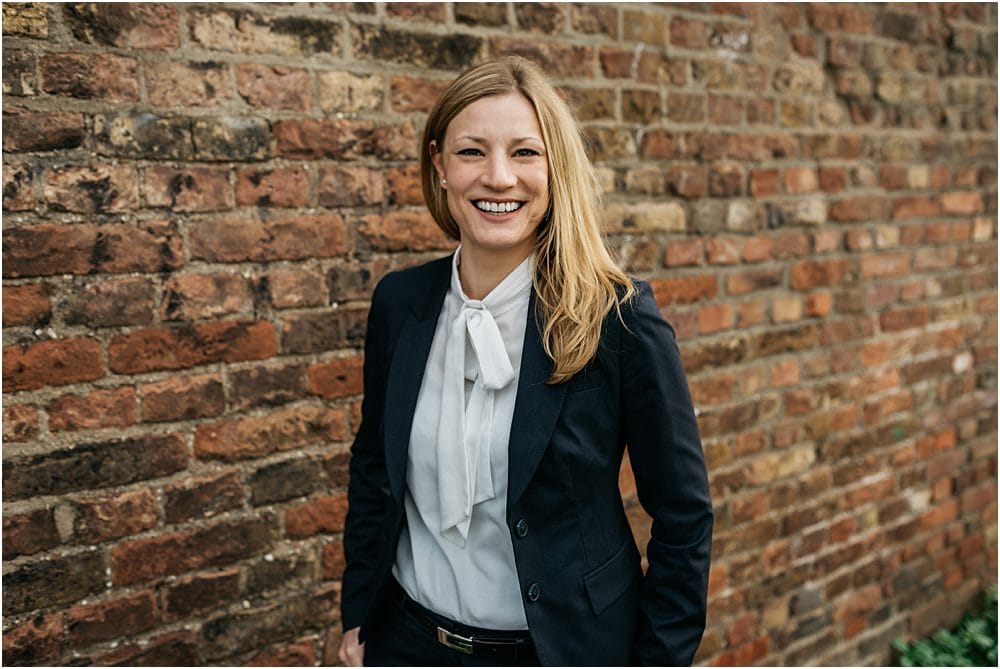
[{"x": 444, "y": 182}]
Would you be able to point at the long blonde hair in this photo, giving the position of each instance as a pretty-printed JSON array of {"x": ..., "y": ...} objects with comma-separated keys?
[{"x": 576, "y": 281}]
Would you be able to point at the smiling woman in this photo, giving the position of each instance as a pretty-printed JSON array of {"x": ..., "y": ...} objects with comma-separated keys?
[{"x": 502, "y": 386}]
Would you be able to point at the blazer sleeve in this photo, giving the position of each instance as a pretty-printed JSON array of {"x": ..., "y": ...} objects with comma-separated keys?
[
  {"x": 368, "y": 487},
  {"x": 672, "y": 484}
]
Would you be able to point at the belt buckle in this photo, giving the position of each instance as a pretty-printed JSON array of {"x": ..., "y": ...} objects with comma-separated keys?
[{"x": 455, "y": 642}]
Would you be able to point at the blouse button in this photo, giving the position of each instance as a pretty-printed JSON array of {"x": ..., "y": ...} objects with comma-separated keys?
[
  {"x": 521, "y": 528},
  {"x": 534, "y": 592}
]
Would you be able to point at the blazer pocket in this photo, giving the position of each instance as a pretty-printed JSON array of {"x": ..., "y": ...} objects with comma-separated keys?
[{"x": 609, "y": 581}]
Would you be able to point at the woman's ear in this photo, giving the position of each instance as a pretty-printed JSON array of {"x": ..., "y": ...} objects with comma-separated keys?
[{"x": 435, "y": 154}]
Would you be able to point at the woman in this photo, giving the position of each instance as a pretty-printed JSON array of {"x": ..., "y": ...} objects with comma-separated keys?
[{"x": 502, "y": 385}]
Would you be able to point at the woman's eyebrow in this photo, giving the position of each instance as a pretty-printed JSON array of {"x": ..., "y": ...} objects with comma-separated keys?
[{"x": 516, "y": 140}]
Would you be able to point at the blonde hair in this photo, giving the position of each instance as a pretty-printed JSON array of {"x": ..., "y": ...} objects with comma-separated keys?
[{"x": 576, "y": 281}]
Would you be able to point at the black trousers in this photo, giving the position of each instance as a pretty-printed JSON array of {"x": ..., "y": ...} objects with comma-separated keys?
[{"x": 402, "y": 639}]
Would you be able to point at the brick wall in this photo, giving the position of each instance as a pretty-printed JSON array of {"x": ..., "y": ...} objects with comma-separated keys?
[{"x": 198, "y": 201}]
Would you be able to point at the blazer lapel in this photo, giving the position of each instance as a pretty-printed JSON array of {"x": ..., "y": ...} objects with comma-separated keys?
[
  {"x": 406, "y": 371},
  {"x": 536, "y": 408}
]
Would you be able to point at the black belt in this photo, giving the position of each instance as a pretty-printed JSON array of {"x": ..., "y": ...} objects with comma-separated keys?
[{"x": 464, "y": 638}]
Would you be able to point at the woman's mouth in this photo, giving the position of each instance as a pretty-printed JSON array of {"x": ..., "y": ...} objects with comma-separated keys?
[{"x": 497, "y": 207}]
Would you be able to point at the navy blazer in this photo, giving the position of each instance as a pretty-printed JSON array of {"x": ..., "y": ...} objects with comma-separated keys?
[{"x": 586, "y": 599}]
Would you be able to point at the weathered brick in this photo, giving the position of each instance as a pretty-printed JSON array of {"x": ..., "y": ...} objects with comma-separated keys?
[
  {"x": 48, "y": 583},
  {"x": 349, "y": 93},
  {"x": 140, "y": 26},
  {"x": 42, "y": 131},
  {"x": 173, "y": 649},
  {"x": 200, "y": 593},
  {"x": 545, "y": 17},
  {"x": 273, "y": 187},
  {"x": 147, "y": 559},
  {"x": 308, "y": 236},
  {"x": 422, "y": 50},
  {"x": 325, "y": 514},
  {"x": 18, "y": 188},
  {"x": 885, "y": 264},
  {"x": 183, "y": 398},
  {"x": 20, "y": 422},
  {"x": 38, "y": 640},
  {"x": 189, "y": 189},
  {"x": 94, "y": 465},
  {"x": 202, "y": 497},
  {"x": 274, "y": 86},
  {"x": 338, "y": 377},
  {"x": 187, "y": 84},
  {"x": 299, "y": 654},
  {"x": 285, "y": 480},
  {"x": 752, "y": 280},
  {"x": 27, "y": 304},
  {"x": 809, "y": 274},
  {"x": 51, "y": 363},
  {"x": 347, "y": 185},
  {"x": 962, "y": 203},
  {"x": 340, "y": 139},
  {"x": 143, "y": 135},
  {"x": 110, "y": 303},
  {"x": 196, "y": 296},
  {"x": 396, "y": 231},
  {"x": 48, "y": 249},
  {"x": 161, "y": 347},
  {"x": 103, "y": 76},
  {"x": 241, "y": 31},
  {"x": 99, "y": 408},
  {"x": 30, "y": 532},
  {"x": 246, "y": 631},
  {"x": 281, "y": 430},
  {"x": 113, "y": 517},
  {"x": 408, "y": 93},
  {"x": 228, "y": 138},
  {"x": 28, "y": 19},
  {"x": 558, "y": 59}
]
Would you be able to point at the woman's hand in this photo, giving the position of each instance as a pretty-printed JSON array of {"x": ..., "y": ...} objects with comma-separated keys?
[{"x": 352, "y": 653}]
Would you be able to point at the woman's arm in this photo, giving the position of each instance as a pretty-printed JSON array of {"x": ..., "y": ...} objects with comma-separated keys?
[
  {"x": 369, "y": 485},
  {"x": 672, "y": 484}
]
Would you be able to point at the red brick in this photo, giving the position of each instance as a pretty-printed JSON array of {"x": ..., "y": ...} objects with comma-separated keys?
[
  {"x": 27, "y": 304},
  {"x": 100, "y": 188},
  {"x": 41, "y": 131},
  {"x": 680, "y": 252},
  {"x": 39, "y": 640},
  {"x": 800, "y": 180},
  {"x": 90, "y": 76},
  {"x": 188, "y": 189},
  {"x": 809, "y": 274},
  {"x": 723, "y": 250},
  {"x": 857, "y": 209},
  {"x": 18, "y": 188},
  {"x": 111, "y": 302},
  {"x": 302, "y": 653},
  {"x": 48, "y": 249},
  {"x": 20, "y": 423},
  {"x": 310, "y": 139},
  {"x": 325, "y": 514},
  {"x": 684, "y": 290},
  {"x": 113, "y": 517},
  {"x": 757, "y": 249},
  {"x": 763, "y": 182},
  {"x": 915, "y": 207},
  {"x": 294, "y": 287},
  {"x": 200, "y": 593},
  {"x": 962, "y": 203},
  {"x": 191, "y": 297},
  {"x": 688, "y": 181},
  {"x": 215, "y": 545},
  {"x": 51, "y": 363},
  {"x": 786, "y": 309},
  {"x": 175, "y": 84},
  {"x": 688, "y": 34},
  {"x": 404, "y": 185},
  {"x": 819, "y": 304},
  {"x": 138, "y": 26},
  {"x": 740, "y": 283},
  {"x": 885, "y": 264},
  {"x": 415, "y": 94},
  {"x": 349, "y": 185},
  {"x": 183, "y": 398},
  {"x": 791, "y": 245},
  {"x": 338, "y": 377},
  {"x": 404, "y": 231},
  {"x": 99, "y": 408},
  {"x": 715, "y": 318},
  {"x": 281, "y": 430},
  {"x": 274, "y": 86},
  {"x": 27, "y": 533},
  {"x": 273, "y": 187},
  {"x": 904, "y": 319},
  {"x": 725, "y": 180},
  {"x": 310, "y": 236},
  {"x": 832, "y": 179},
  {"x": 202, "y": 496},
  {"x": 161, "y": 347}
]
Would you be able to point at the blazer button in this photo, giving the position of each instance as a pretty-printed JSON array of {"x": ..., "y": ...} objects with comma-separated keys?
[
  {"x": 534, "y": 592},
  {"x": 521, "y": 528}
]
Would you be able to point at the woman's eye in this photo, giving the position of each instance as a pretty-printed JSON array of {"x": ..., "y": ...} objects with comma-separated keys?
[
  {"x": 470, "y": 152},
  {"x": 524, "y": 153}
]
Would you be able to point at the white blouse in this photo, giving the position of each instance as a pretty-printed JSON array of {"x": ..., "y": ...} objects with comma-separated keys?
[{"x": 455, "y": 555}]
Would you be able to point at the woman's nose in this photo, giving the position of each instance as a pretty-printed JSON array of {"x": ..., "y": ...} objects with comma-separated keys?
[{"x": 499, "y": 173}]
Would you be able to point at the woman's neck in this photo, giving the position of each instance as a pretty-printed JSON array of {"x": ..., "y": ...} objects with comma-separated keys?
[{"x": 480, "y": 274}]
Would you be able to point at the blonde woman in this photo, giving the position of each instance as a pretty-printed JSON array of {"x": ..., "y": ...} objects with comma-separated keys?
[{"x": 502, "y": 385}]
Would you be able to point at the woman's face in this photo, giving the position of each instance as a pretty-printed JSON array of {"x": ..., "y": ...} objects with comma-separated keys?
[{"x": 493, "y": 159}]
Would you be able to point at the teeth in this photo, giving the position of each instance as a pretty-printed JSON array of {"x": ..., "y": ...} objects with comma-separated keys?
[{"x": 498, "y": 207}]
